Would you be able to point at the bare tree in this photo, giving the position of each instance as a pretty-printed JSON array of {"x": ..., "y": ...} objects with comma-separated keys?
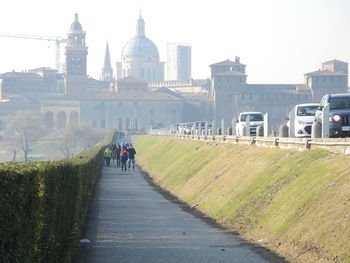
[
  {"x": 73, "y": 140},
  {"x": 27, "y": 129},
  {"x": 12, "y": 146}
]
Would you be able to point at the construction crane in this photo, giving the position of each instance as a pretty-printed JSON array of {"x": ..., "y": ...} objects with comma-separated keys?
[{"x": 57, "y": 40}]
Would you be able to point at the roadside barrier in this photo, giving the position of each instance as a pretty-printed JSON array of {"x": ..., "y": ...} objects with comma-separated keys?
[{"x": 337, "y": 145}]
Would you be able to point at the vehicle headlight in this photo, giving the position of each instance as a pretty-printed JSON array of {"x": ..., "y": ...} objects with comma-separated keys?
[
  {"x": 301, "y": 122},
  {"x": 336, "y": 118}
]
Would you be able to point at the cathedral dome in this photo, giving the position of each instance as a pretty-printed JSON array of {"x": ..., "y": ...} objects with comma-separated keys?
[
  {"x": 140, "y": 47},
  {"x": 76, "y": 26}
]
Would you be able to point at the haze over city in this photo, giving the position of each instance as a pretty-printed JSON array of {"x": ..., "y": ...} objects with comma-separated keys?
[{"x": 279, "y": 40}]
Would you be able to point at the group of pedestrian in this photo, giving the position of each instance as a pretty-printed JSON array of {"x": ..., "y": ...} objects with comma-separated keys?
[{"x": 122, "y": 154}]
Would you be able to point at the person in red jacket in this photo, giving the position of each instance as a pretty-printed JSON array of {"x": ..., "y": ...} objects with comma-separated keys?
[{"x": 123, "y": 157}]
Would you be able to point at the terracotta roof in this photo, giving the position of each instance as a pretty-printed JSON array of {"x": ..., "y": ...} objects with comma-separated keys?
[
  {"x": 324, "y": 73},
  {"x": 226, "y": 62},
  {"x": 131, "y": 79},
  {"x": 20, "y": 74},
  {"x": 147, "y": 95},
  {"x": 168, "y": 91},
  {"x": 42, "y": 69},
  {"x": 333, "y": 60}
]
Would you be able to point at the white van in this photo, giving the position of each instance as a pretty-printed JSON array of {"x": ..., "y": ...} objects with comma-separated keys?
[{"x": 303, "y": 119}]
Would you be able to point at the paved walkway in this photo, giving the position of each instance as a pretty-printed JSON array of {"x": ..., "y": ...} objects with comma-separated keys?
[{"x": 129, "y": 221}]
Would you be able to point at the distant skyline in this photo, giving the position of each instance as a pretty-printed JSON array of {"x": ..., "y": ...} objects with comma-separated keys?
[{"x": 278, "y": 40}]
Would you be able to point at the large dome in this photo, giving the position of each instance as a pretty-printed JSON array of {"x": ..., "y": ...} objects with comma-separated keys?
[{"x": 140, "y": 47}]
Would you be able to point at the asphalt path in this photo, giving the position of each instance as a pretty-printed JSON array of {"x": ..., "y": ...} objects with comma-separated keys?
[{"x": 133, "y": 221}]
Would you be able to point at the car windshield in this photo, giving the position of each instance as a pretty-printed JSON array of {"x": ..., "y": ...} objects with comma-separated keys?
[
  {"x": 339, "y": 103},
  {"x": 253, "y": 117},
  {"x": 307, "y": 110}
]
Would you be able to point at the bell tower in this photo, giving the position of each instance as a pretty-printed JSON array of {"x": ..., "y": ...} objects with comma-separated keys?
[{"x": 76, "y": 60}]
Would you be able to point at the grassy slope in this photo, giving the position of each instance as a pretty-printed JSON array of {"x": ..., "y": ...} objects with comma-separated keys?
[{"x": 297, "y": 203}]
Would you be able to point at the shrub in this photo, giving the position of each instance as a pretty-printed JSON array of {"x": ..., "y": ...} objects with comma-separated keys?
[{"x": 43, "y": 205}]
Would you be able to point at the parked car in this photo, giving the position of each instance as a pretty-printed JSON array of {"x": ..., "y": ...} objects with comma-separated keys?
[
  {"x": 303, "y": 119},
  {"x": 339, "y": 114},
  {"x": 256, "y": 119}
]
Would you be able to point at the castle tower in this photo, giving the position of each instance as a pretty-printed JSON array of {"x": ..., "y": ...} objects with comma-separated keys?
[
  {"x": 107, "y": 71},
  {"x": 76, "y": 54},
  {"x": 228, "y": 81}
]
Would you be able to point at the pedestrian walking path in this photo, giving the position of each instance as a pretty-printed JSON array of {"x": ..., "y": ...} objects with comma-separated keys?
[{"x": 131, "y": 222}]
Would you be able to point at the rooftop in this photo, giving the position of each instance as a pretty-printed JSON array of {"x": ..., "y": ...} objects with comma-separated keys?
[{"x": 324, "y": 73}]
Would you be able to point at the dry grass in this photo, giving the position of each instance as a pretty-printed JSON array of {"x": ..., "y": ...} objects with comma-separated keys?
[{"x": 297, "y": 203}]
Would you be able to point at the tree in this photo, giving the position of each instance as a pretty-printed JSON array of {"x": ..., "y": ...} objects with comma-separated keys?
[
  {"x": 74, "y": 140},
  {"x": 27, "y": 129}
]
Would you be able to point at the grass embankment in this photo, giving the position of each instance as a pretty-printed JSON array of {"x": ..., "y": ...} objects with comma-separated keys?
[{"x": 296, "y": 203}]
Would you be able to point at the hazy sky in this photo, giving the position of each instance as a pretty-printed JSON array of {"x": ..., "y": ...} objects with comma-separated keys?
[{"x": 278, "y": 40}]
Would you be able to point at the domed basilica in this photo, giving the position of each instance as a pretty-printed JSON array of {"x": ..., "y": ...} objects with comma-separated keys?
[{"x": 140, "y": 57}]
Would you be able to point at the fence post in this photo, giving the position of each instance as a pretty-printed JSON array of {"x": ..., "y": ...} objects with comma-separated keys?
[
  {"x": 325, "y": 121},
  {"x": 266, "y": 124},
  {"x": 233, "y": 126},
  {"x": 247, "y": 125},
  {"x": 291, "y": 117}
]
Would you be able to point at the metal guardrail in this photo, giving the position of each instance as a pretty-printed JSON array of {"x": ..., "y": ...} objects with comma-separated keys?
[{"x": 333, "y": 145}]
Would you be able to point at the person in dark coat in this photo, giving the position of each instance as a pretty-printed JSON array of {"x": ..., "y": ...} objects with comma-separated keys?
[
  {"x": 117, "y": 154},
  {"x": 131, "y": 156}
]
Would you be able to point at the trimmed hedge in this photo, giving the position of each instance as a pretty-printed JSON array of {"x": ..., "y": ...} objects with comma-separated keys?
[{"x": 43, "y": 205}]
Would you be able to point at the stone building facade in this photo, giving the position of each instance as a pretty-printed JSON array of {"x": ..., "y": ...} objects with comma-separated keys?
[{"x": 232, "y": 94}]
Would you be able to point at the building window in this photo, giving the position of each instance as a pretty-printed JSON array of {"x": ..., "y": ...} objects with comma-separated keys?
[
  {"x": 94, "y": 124},
  {"x": 120, "y": 124},
  {"x": 135, "y": 124},
  {"x": 103, "y": 124},
  {"x": 127, "y": 123}
]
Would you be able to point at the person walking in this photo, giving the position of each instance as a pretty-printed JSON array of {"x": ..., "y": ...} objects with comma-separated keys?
[
  {"x": 117, "y": 154},
  {"x": 123, "y": 157},
  {"x": 113, "y": 148},
  {"x": 108, "y": 155},
  {"x": 131, "y": 156}
]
